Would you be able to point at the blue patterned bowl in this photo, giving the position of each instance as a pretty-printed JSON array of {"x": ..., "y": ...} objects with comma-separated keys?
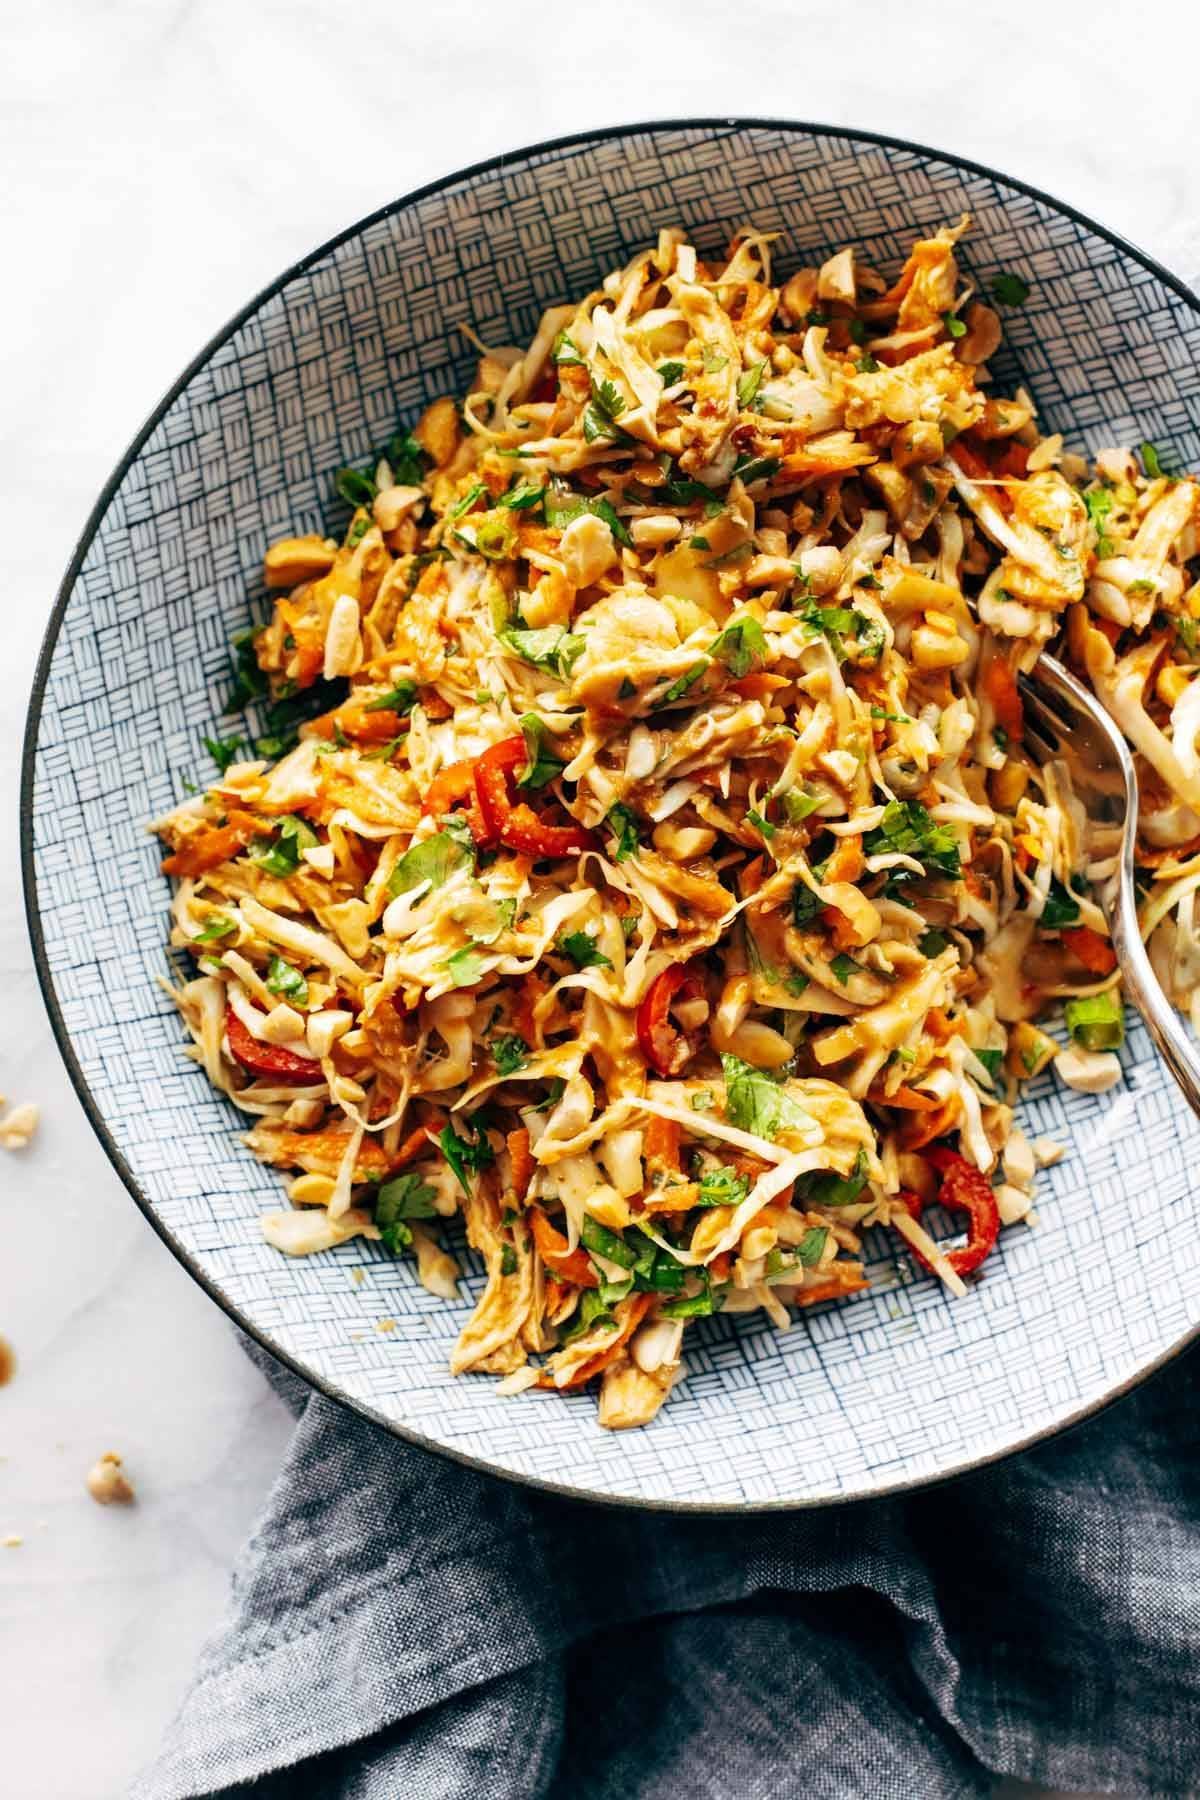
[{"x": 885, "y": 1392}]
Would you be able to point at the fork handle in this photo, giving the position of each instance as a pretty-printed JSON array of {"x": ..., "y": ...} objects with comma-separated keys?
[{"x": 1163, "y": 1022}]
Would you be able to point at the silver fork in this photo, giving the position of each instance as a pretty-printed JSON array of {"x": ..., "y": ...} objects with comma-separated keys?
[{"x": 1064, "y": 721}]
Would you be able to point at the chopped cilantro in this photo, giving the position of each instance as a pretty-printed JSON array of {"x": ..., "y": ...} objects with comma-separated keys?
[
  {"x": 1060, "y": 907},
  {"x": 867, "y": 365},
  {"x": 695, "y": 1306},
  {"x": 542, "y": 767},
  {"x": 280, "y": 855},
  {"x": 805, "y": 904},
  {"x": 741, "y": 646},
  {"x": 624, "y": 826},
  {"x": 466, "y": 1153},
  {"x": 755, "y": 1101},
  {"x": 403, "y": 1198},
  {"x": 508, "y": 1260},
  {"x": 433, "y": 860},
  {"x": 907, "y": 829},
  {"x": 811, "y": 1247},
  {"x": 223, "y": 750},
  {"x": 509, "y": 1053},
  {"x": 522, "y": 496},
  {"x": 749, "y": 383},
  {"x": 680, "y": 686},
  {"x": 991, "y": 1060},
  {"x": 464, "y": 966},
  {"x": 565, "y": 353},
  {"x": 837, "y": 1190},
  {"x": 354, "y": 487},
  {"x": 582, "y": 951},
  {"x": 549, "y": 648},
  {"x": 1010, "y": 290},
  {"x": 723, "y": 1187},
  {"x": 601, "y": 1241},
  {"x": 249, "y": 681},
  {"x": 749, "y": 469},
  {"x": 843, "y": 967},
  {"x": 954, "y": 325},
  {"x": 670, "y": 372},
  {"x": 1151, "y": 460},
  {"x": 592, "y": 1311},
  {"x": 932, "y": 943}
]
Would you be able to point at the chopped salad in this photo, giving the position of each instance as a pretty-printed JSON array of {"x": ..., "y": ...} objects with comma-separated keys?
[{"x": 642, "y": 859}]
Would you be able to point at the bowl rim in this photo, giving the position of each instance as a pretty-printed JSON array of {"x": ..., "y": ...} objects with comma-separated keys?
[{"x": 495, "y": 164}]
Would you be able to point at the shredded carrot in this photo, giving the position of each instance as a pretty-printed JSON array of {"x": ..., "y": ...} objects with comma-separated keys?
[
  {"x": 1000, "y": 685},
  {"x": 847, "y": 862},
  {"x": 906, "y": 1099},
  {"x": 927, "y": 1126},
  {"x": 213, "y": 846},
  {"x": 639, "y": 1305},
  {"x": 354, "y": 721},
  {"x": 829, "y": 1290},
  {"x": 552, "y": 1247},
  {"x": 522, "y": 1161},
  {"x": 759, "y": 686},
  {"x": 661, "y": 1145}
]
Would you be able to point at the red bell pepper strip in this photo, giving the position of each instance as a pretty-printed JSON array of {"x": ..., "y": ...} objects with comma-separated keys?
[
  {"x": 513, "y": 822},
  {"x": 1088, "y": 947},
  {"x": 667, "y": 1049},
  {"x": 455, "y": 786},
  {"x": 964, "y": 1189},
  {"x": 271, "y": 1061}
]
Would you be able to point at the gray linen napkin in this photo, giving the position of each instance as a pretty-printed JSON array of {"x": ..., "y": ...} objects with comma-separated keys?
[{"x": 400, "y": 1625}]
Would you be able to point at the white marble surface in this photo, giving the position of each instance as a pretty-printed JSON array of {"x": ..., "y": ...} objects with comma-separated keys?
[{"x": 164, "y": 159}]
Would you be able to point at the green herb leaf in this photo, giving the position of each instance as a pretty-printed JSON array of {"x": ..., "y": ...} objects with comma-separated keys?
[
  {"x": 749, "y": 383},
  {"x": 695, "y": 1306},
  {"x": 932, "y": 943},
  {"x": 723, "y": 1187},
  {"x": 1010, "y": 290},
  {"x": 798, "y": 803},
  {"x": 681, "y": 685},
  {"x": 509, "y": 1054},
  {"x": 464, "y": 966},
  {"x": 466, "y": 1154},
  {"x": 805, "y": 904},
  {"x": 399, "y": 699},
  {"x": 550, "y": 647},
  {"x": 355, "y": 488},
  {"x": 1061, "y": 907},
  {"x": 811, "y": 1247},
  {"x": 1151, "y": 460},
  {"x": 602, "y": 1242},
  {"x": 280, "y": 855},
  {"x": 756, "y": 1102},
  {"x": 565, "y": 353},
  {"x": 670, "y": 372},
  {"x": 991, "y": 1060},
  {"x": 837, "y": 1190},
  {"x": 867, "y": 365},
  {"x": 406, "y": 459},
  {"x": 582, "y": 951},
  {"x": 741, "y": 646},
  {"x": 843, "y": 967},
  {"x": 755, "y": 468},
  {"x": 405, "y": 1197},
  {"x": 954, "y": 325},
  {"x": 542, "y": 767},
  {"x": 624, "y": 826},
  {"x": 223, "y": 750},
  {"x": 216, "y": 926},
  {"x": 283, "y": 979},
  {"x": 249, "y": 681},
  {"x": 763, "y": 826},
  {"x": 508, "y": 1260},
  {"x": 433, "y": 860},
  {"x": 592, "y": 1311},
  {"x": 907, "y": 829}
]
